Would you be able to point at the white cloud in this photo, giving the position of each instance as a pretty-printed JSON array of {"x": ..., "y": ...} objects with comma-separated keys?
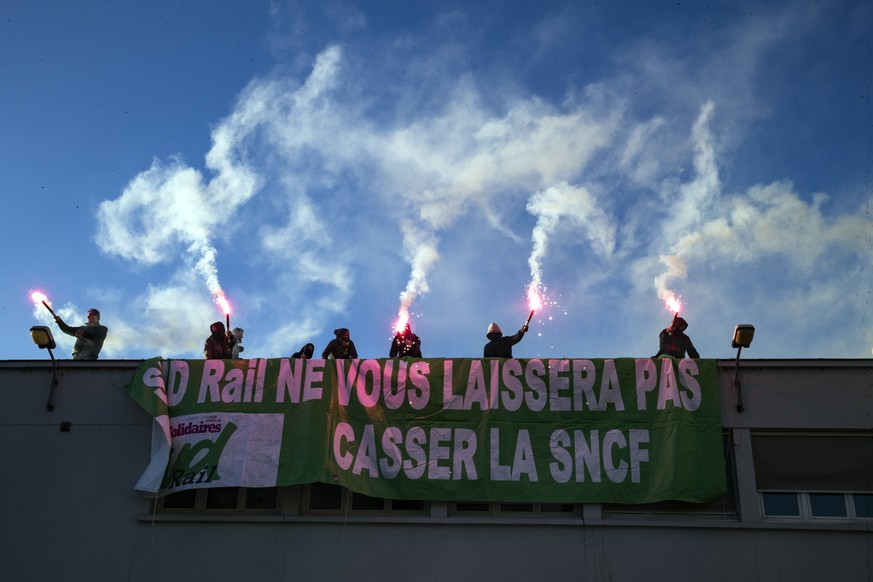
[{"x": 324, "y": 182}]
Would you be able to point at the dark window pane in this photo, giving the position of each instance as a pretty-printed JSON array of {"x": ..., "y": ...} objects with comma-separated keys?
[
  {"x": 781, "y": 504},
  {"x": 361, "y": 502},
  {"x": 325, "y": 496},
  {"x": 181, "y": 500},
  {"x": 827, "y": 504},
  {"x": 473, "y": 507},
  {"x": 407, "y": 505},
  {"x": 262, "y": 498},
  {"x": 557, "y": 508},
  {"x": 222, "y": 498},
  {"x": 516, "y": 507},
  {"x": 863, "y": 504}
]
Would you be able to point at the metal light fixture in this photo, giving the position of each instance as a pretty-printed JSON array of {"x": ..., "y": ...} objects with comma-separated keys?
[
  {"x": 43, "y": 338},
  {"x": 743, "y": 335}
]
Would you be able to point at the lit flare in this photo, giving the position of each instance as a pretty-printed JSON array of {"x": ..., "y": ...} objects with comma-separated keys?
[
  {"x": 39, "y": 297},
  {"x": 222, "y": 302},
  {"x": 402, "y": 320},
  {"x": 534, "y": 301},
  {"x": 674, "y": 305}
]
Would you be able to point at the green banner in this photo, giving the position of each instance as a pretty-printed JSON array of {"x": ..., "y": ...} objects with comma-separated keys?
[{"x": 512, "y": 430}]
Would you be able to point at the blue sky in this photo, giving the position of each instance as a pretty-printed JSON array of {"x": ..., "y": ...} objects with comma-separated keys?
[{"x": 327, "y": 164}]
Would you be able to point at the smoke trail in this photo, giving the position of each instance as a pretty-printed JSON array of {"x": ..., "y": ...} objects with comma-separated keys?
[
  {"x": 170, "y": 206},
  {"x": 574, "y": 206},
  {"x": 694, "y": 200},
  {"x": 422, "y": 253},
  {"x": 165, "y": 207}
]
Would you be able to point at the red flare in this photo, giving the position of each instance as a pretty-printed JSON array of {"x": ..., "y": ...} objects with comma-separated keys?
[
  {"x": 534, "y": 301},
  {"x": 402, "y": 320},
  {"x": 222, "y": 302},
  {"x": 39, "y": 297},
  {"x": 673, "y": 304}
]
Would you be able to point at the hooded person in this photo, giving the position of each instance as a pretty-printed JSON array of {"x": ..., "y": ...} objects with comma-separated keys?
[
  {"x": 219, "y": 345},
  {"x": 500, "y": 346},
  {"x": 674, "y": 342},
  {"x": 89, "y": 337},
  {"x": 305, "y": 352},
  {"x": 341, "y": 347},
  {"x": 405, "y": 344}
]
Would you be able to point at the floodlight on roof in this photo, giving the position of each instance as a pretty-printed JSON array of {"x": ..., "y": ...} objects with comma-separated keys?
[
  {"x": 43, "y": 338},
  {"x": 743, "y": 335}
]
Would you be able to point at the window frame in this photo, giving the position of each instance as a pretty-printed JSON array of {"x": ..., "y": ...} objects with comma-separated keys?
[{"x": 805, "y": 510}]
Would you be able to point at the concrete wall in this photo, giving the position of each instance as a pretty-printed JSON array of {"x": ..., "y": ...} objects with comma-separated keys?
[{"x": 71, "y": 512}]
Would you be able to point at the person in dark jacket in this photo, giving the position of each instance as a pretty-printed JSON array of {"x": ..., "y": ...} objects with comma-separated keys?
[
  {"x": 305, "y": 352},
  {"x": 219, "y": 345},
  {"x": 674, "y": 342},
  {"x": 341, "y": 348},
  {"x": 405, "y": 344},
  {"x": 500, "y": 346},
  {"x": 89, "y": 337}
]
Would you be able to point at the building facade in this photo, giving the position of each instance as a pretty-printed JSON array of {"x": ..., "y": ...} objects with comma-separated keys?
[{"x": 799, "y": 505}]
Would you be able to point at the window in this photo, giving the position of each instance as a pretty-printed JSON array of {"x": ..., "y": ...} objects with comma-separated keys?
[
  {"x": 814, "y": 475},
  {"x": 863, "y": 505},
  {"x": 181, "y": 500},
  {"x": 781, "y": 504},
  {"x": 827, "y": 505},
  {"x": 514, "y": 509},
  {"x": 329, "y": 498},
  {"x": 324, "y": 497},
  {"x": 262, "y": 498},
  {"x": 816, "y": 505},
  {"x": 223, "y": 500},
  {"x": 317, "y": 498}
]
